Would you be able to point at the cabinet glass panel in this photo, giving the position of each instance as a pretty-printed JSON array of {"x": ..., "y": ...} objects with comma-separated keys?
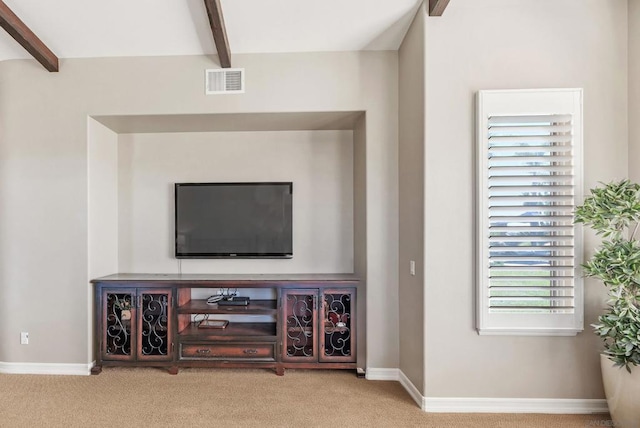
[
  {"x": 118, "y": 318},
  {"x": 300, "y": 314},
  {"x": 154, "y": 328},
  {"x": 337, "y": 321}
]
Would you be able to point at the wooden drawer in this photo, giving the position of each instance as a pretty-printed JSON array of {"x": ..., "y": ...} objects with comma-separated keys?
[{"x": 229, "y": 351}]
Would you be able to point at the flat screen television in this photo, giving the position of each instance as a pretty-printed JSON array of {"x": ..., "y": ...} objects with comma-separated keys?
[{"x": 235, "y": 220}]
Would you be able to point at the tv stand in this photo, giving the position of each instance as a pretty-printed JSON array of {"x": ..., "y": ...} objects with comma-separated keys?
[{"x": 307, "y": 321}]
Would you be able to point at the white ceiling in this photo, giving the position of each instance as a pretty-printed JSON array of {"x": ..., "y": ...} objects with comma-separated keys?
[{"x": 107, "y": 28}]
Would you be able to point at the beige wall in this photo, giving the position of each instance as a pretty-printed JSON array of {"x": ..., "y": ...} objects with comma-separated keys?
[
  {"x": 44, "y": 186},
  {"x": 411, "y": 64},
  {"x": 102, "y": 159},
  {"x": 44, "y": 239},
  {"x": 503, "y": 44},
  {"x": 102, "y": 171},
  {"x": 360, "y": 230},
  {"x": 319, "y": 163},
  {"x": 634, "y": 90},
  {"x": 381, "y": 213}
]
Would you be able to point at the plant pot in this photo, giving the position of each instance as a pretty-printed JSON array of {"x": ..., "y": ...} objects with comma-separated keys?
[{"x": 622, "y": 390}]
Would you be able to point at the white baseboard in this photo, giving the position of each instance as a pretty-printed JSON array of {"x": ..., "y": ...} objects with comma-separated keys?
[
  {"x": 514, "y": 405},
  {"x": 46, "y": 368},
  {"x": 412, "y": 390},
  {"x": 489, "y": 405},
  {"x": 382, "y": 374}
]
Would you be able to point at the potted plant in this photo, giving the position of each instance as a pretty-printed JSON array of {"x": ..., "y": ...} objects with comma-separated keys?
[
  {"x": 613, "y": 211},
  {"x": 124, "y": 305}
]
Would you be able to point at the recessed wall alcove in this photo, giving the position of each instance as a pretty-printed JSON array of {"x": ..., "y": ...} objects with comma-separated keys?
[{"x": 133, "y": 162}]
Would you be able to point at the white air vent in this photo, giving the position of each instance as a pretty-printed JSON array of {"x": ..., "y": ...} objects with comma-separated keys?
[{"x": 225, "y": 81}]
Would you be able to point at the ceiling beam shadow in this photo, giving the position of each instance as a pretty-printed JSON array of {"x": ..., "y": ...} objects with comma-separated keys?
[
  {"x": 23, "y": 35},
  {"x": 216, "y": 20},
  {"x": 437, "y": 7}
]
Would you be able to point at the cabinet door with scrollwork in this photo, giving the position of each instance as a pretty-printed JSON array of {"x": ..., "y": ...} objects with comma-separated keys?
[
  {"x": 118, "y": 324},
  {"x": 154, "y": 328},
  {"x": 337, "y": 324},
  {"x": 300, "y": 332}
]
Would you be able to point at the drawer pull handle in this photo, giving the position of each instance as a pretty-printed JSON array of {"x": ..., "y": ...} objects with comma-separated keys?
[
  {"x": 203, "y": 351},
  {"x": 250, "y": 351}
]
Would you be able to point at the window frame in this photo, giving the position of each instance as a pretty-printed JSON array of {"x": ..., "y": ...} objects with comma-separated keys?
[{"x": 530, "y": 102}]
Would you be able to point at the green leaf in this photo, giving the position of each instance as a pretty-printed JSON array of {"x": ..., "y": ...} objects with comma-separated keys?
[{"x": 613, "y": 212}]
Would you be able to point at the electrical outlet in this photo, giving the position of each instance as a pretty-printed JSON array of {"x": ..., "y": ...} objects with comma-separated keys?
[
  {"x": 412, "y": 267},
  {"x": 24, "y": 338}
]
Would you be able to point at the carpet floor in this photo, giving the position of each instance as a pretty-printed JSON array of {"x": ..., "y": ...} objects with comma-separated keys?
[{"x": 147, "y": 397}]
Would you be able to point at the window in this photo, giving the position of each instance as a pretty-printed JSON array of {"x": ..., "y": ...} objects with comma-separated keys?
[{"x": 530, "y": 180}]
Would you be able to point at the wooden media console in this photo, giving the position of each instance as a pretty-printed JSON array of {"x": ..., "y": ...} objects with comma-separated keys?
[{"x": 158, "y": 320}]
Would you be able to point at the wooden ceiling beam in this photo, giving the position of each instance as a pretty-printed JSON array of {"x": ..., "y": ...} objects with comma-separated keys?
[
  {"x": 23, "y": 35},
  {"x": 437, "y": 7},
  {"x": 216, "y": 20}
]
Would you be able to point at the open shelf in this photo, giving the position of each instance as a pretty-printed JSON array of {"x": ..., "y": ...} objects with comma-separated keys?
[
  {"x": 255, "y": 307},
  {"x": 245, "y": 330}
]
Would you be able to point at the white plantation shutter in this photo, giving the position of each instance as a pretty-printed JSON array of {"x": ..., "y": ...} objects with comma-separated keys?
[{"x": 529, "y": 152}]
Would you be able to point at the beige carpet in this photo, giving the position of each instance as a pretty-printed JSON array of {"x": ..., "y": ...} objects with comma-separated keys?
[{"x": 234, "y": 398}]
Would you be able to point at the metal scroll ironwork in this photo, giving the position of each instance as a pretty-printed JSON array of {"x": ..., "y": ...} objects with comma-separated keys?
[
  {"x": 337, "y": 325},
  {"x": 118, "y": 324},
  {"x": 155, "y": 330},
  {"x": 299, "y": 326}
]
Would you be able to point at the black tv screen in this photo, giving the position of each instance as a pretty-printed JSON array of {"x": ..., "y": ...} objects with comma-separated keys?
[{"x": 239, "y": 220}]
